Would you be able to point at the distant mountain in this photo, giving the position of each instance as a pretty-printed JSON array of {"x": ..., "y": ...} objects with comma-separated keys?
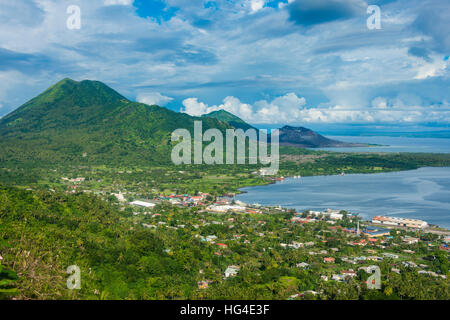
[
  {"x": 88, "y": 121},
  {"x": 230, "y": 119},
  {"x": 289, "y": 136},
  {"x": 306, "y": 138}
]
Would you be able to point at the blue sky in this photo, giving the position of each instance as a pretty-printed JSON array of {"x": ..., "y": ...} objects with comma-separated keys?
[{"x": 267, "y": 61}]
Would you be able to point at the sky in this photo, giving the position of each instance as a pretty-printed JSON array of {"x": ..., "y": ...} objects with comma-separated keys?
[{"x": 291, "y": 62}]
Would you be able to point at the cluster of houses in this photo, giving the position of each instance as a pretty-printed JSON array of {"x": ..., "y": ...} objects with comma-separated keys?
[
  {"x": 184, "y": 200},
  {"x": 74, "y": 180},
  {"x": 370, "y": 235},
  {"x": 329, "y": 215},
  {"x": 343, "y": 276},
  {"x": 226, "y": 205},
  {"x": 332, "y": 214},
  {"x": 220, "y": 205},
  {"x": 376, "y": 232},
  {"x": 74, "y": 183},
  {"x": 297, "y": 245}
]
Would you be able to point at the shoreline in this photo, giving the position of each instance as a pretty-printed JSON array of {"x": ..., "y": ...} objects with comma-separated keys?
[{"x": 445, "y": 230}]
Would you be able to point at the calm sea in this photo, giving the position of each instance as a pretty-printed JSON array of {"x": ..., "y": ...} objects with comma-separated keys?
[
  {"x": 421, "y": 194},
  {"x": 394, "y": 144}
]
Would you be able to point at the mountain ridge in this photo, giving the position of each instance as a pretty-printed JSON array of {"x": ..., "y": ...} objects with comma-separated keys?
[
  {"x": 231, "y": 119},
  {"x": 89, "y": 122},
  {"x": 73, "y": 118}
]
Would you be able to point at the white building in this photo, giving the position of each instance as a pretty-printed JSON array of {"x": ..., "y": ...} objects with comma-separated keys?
[
  {"x": 231, "y": 271},
  {"x": 390, "y": 255},
  {"x": 119, "y": 197},
  {"x": 226, "y": 208},
  {"x": 302, "y": 265},
  {"x": 410, "y": 240},
  {"x": 400, "y": 222},
  {"x": 332, "y": 214},
  {"x": 142, "y": 204}
]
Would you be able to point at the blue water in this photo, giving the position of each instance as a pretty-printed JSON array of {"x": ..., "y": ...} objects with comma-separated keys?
[
  {"x": 421, "y": 194},
  {"x": 394, "y": 144}
]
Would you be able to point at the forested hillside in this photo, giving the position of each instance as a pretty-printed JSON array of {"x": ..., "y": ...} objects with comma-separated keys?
[{"x": 88, "y": 122}]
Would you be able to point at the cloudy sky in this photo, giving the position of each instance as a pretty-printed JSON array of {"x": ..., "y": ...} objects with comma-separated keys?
[{"x": 267, "y": 61}]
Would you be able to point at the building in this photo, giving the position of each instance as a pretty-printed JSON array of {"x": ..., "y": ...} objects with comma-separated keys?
[
  {"x": 119, "y": 197},
  {"x": 202, "y": 284},
  {"x": 296, "y": 245},
  {"x": 142, "y": 204},
  {"x": 396, "y": 270},
  {"x": 409, "y": 264},
  {"x": 332, "y": 214},
  {"x": 328, "y": 260},
  {"x": 232, "y": 271},
  {"x": 254, "y": 211},
  {"x": 400, "y": 222},
  {"x": 302, "y": 265},
  {"x": 226, "y": 208},
  {"x": 348, "y": 273},
  {"x": 337, "y": 277},
  {"x": 209, "y": 238},
  {"x": 390, "y": 255},
  {"x": 376, "y": 232},
  {"x": 410, "y": 240}
]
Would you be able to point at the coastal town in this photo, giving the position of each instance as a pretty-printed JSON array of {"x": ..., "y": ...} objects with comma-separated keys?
[
  {"x": 339, "y": 246},
  {"x": 224, "y": 247}
]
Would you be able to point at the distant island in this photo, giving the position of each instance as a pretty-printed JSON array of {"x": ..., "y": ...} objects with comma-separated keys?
[
  {"x": 306, "y": 138},
  {"x": 290, "y": 136}
]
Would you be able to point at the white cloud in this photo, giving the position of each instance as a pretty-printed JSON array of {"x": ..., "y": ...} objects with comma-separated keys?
[
  {"x": 379, "y": 103},
  {"x": 118, "y": 2},
  {"x": 433, "y": 69},
  {"x": 281, "y": 109},
  {"x": 152, "y": 98},
  {"x": 290, "y": 109},
  {"x": 256, "y": 5},
  {"x": 235, "y": 106},
  {"x": 231, "y": 104},
  {"x": 195, "y": 108},
  {"x": 284, "y": 4}
]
